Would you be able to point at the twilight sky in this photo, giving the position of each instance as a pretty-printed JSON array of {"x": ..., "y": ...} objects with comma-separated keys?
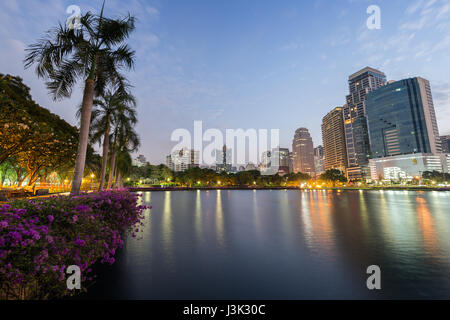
[{"x": 247, "y": 63}]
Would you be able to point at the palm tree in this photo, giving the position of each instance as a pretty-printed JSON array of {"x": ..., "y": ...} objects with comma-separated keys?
[
  {"x": 124, "y": 137},
  {"x": 103, "y": 113},
  {"x": 95, "y": 53}
]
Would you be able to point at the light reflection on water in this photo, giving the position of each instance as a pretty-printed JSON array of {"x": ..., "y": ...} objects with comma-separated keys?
[{"x": 285, "y": 245}]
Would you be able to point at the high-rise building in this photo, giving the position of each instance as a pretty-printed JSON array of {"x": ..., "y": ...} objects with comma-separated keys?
[
  {"x": 181, "y": 160},
  {"x": 275, "y": 161},
  {"x": 356, "y": 132},
  {"x": 303, "y": 152},
  {"x": 402, "y": 120},
  {"x": 445, "y": 144},
  {"x": 333, "y": 137},
  {"x": 139, "y": 161},
  {"x": 319, "y": 160},
  {"x": 223, "y": 159}
]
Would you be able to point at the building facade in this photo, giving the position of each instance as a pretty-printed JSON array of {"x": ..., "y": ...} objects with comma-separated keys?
[
  {"x": 139, "y": 161},
  {"x": 319, "y": 160},
  {"x": 333, "y": 138},
  {"x": 356, "y": 131},
  {"x": 445, "y": 144},
  {"x": 303, "y": 152},
  {"x": 223, "y": 159},
  {"x": 408, "y": 166},
  {"x": 402, "y": 120},
  {"x": 181, "y": 160}
]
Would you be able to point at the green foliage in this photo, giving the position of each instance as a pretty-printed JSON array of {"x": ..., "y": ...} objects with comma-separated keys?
[
  {"x": 32, "y": 137},
  {"x": 333, "y": 175},
  {"x": 436, "y": 176}
]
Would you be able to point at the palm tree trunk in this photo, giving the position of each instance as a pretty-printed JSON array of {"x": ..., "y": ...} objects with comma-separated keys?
[
  {"x": 113, "y": 163},
  {"x": 88, "y": 98},
  {"x": 105, "y": 155}
]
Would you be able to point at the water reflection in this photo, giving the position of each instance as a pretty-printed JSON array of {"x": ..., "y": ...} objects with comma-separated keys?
[{"x": 285, "y": 245}]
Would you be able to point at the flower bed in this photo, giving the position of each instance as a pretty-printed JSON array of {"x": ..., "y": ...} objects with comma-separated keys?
[{"x": 39, "y": 239}]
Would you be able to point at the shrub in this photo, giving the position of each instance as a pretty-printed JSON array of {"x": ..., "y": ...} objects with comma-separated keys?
[{"x": 40, "y": 238}]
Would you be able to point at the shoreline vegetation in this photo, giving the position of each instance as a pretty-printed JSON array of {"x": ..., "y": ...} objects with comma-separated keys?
[{"x": 41, "y": 238}]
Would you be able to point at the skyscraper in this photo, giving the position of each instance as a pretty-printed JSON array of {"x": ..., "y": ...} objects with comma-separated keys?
[
  {"x": 318, "y": 160},
  {"x": 223, "y": 159},
  {"x": 333, "y": 137},
  {"x": 303, "y": 152},
  {"x": 181, "y": 160},
  {"x": 445, "y": 144},
  {"x": 356, "y": 132},
  {"x": 402, "y": 120}
]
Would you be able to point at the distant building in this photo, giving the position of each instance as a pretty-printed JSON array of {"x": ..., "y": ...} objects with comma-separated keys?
[
  {"x": 223, "y": 159},
  {"x": 250, "y": 166},
  {"x": 181, "y": 160},
  {"x": 303, "y": 152},
  {"x": 408, "y": 166},
  {"x": 402, "y": 120},
  {"x": 319, "y": 160},
  {"x": 355, "y": 122},
  {"x": 275, "y": 161},
  {"x": 445, "y": 144},
  {"x": 333, "y": 137},
  {"x": 139, "y": 161}
]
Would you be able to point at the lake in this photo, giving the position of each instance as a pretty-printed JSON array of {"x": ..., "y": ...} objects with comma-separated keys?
[{"x": 284, "y": 244}]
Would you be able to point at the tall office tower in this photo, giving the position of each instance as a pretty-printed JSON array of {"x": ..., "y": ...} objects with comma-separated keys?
[
  {"x": 333, "y": 137},
  {"x": 281, "y": 156},
  {"x": 356, "y": 132},
  {"x": 303, "y": 152},
  {"x": 291, "y": 162},
  {"x": 181, "y": 160},
  {"x": 223, "y": 159},
  {"x": 402, "y": 120},
  {"x": 445, "y": 144},
  {"x": 318, "y": 160}
]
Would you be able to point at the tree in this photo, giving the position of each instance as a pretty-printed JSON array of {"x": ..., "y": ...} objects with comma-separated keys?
[
  {"x": 124, "y": 138},
  {"x": 103, "y": 114},
  {"x": 32, "y": 139},
  {"x": 333, "y": 175},
  {"x": 95, "y": 53}
]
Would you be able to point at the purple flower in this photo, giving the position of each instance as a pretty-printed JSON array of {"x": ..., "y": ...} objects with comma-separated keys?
[
  {"x": 4, "y": 224},
  {"x": 74, "y": 219},
  {"x": 50, "y": 218}
]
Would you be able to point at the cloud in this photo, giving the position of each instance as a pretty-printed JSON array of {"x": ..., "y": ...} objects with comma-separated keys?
[{"x": 153, "y": 12}]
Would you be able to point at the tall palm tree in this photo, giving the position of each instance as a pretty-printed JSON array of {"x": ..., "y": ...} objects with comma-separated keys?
[
  {"x": 124, "y": 137},
  {"x": 103, "y": 113},
  {"x": 95, "y": 53}
]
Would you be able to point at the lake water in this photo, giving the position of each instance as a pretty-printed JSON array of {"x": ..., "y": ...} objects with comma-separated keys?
[{"x": 284, "y": 245}]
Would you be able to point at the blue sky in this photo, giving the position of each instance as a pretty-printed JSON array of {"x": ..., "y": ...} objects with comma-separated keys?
[{"x": 247, "y": 63}]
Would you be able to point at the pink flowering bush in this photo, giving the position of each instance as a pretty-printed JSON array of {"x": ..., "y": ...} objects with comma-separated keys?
[{"x": 39, "y": 239}]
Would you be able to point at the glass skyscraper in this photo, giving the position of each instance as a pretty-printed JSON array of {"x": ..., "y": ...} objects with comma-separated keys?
[
  {"x": 402, "y": 120},
  {"x": 356, "y": 132}
]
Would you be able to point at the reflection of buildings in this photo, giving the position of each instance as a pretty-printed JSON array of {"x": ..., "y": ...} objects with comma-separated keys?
[
  {"x": 223, "y": 159},
  {"x": 333, "y": 136},
  {"x": 404, "y": 137},
  {"x": 445, "y": 144},
  {"x": 303, "y": 152},
  {"x": 318, "y": 160},
  {"x": 181, "y": 160},
  {"x": 356, "y": 132},
  {"x": 139, "y": 161},
  {"x": 408, "y": 166}
]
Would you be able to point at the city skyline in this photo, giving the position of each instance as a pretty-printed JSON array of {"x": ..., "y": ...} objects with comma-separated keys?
[{"x": 185, "y": 73}]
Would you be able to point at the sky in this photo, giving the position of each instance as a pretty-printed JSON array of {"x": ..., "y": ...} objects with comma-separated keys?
[{"x": 246, "y": 63}]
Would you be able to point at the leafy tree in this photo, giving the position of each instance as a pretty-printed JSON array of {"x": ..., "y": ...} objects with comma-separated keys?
[
  {"x": 333, "y": 175},
  {"x": 95, "y": 53}
]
